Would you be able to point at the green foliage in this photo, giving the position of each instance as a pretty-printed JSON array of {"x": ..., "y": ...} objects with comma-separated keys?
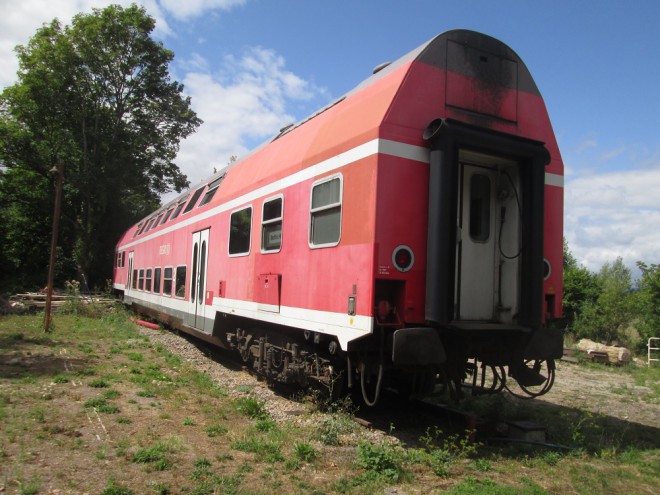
[
  {"x": 607, "y": 306},
  {"x": 113, "y": 488},
  {"x": 474, "y": 486},
  {"x": 305, "y": 452},
  {"x": 216, "y": 430},
  {"x": 581, "y": 289},
  {"x": 158, "y": 456},
  {"x": 96, "y": 95},
  {"x": 648, "y": 303},
  {"x": 332, "y": 427},
  {"x": 607, "y": 317},
  {"x": 441, "y": 451},
  {"x": 380, "y": 461},
  {"x": 252, "y": 408},
  {"x": 263, "y": 448}
]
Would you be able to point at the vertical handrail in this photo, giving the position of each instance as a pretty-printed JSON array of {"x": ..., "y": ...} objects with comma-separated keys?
[{"x": 649, "y": 358}]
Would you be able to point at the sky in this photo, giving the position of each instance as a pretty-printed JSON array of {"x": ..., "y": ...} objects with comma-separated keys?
[{"x": 254, "y": 66}]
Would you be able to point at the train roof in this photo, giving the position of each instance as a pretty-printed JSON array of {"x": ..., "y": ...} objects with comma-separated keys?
[{"x": 462, "y": 52}]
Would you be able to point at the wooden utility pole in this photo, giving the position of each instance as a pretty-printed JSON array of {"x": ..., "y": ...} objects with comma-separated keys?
[{"x": 59, "y": 170}]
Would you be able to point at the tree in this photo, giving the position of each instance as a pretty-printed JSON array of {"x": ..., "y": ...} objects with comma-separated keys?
[
  {"x": 648, "y": 299},
  {"x": 98, "y": 96},
  {"x": 613, "y": 311},
  {"x": 581, "y": 287}
]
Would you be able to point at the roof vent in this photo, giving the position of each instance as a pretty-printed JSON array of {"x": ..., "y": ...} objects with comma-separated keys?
[
  {"x": 380, "y": 67},
  {"x": 286, "y": 128}
]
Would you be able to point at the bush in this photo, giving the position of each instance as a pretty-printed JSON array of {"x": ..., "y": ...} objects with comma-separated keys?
[{"x": 380, "y": 461}]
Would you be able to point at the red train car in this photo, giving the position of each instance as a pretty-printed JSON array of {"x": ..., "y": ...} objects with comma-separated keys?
[{"x": 402, "y": 236}]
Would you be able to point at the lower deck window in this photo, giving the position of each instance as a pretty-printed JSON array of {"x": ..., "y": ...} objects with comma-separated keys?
[
  {"x": 240, "y": 227},
  {"x": 147, "y": 280},
  {"x": 141, "y": 279},
  {"x": 180, "y": 281},
  {"x": 157, "y": 280},
  {"x": 167, "y": 281}
]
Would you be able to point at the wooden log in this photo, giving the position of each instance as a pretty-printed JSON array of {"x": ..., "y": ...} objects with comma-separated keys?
[{"x": 605, "y": 353}]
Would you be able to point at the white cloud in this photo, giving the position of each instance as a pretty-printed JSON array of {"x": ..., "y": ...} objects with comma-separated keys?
[
  {"x": 185, "y": 9},
  {"x": 19, "y": 22},
  {"x": 614, "y": 214},
  {"x": 246, "y": 102}
]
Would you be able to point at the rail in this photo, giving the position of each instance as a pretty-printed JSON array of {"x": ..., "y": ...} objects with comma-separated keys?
[{"x": 648, "y": 345}]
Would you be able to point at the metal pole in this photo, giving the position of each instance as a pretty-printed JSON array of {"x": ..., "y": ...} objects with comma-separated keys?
[{"x": 53, "y": 242}]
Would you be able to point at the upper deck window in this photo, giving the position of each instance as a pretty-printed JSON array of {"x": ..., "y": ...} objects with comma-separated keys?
[
  {"x": 271, "y": 226},
  {"x": 325, "y": 212},
  {"x": 148, "y": 225},
  {"x": 194, "y": 199},
  {"x": 143, "y": 227},
  {"x": 157, "y": 222},
  {"x": 213, "y": 187},
  {"x": 179, "y": 207},
  {"x": 167, "y": 215},
  {"x": 240, "y": 228}
]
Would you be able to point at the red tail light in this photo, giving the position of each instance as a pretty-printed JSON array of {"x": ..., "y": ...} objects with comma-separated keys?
[{"x": 403, "y": 258}]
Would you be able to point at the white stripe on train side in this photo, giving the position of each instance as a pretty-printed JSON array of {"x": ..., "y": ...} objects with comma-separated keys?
[{"x": 370, "y": 148}]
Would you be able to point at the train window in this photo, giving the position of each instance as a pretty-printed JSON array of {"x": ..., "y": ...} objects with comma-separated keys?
[
  {"x": 480, "y": 207},
  {"x": 167, "y": 215},
  {"x": 167, "y": 281},
  {"x": 194, "y": 199},
  {"x": 271, "y": 226},
  {"x": 135, "y": 276},
  {"x": 147, "y": 280},
  {"x": 157, "y": 222},
  {"x": 213, "y": 187},
  {"x": 137, "y": 230},
  {"x": 240, "y": 228},
  {"x": 179, "y": 207},
  {"x": 325, "y": 213},
  {"x": 123, "y": 259},
  {"x": 157, "y": 280},
  {"x": 180, "y": 282},
  {"x": 151, "y": 220},
  {"x": 141, "y": 279}
]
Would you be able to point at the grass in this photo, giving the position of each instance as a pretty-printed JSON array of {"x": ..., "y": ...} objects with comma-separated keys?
[{"x": 164, "y": 427}]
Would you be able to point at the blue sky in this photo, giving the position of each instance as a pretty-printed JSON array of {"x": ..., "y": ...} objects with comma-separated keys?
[{"x": 252, "y": 66}]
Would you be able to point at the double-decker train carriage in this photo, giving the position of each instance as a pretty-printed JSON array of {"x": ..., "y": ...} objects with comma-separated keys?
[{"x": 408, "y": 234}]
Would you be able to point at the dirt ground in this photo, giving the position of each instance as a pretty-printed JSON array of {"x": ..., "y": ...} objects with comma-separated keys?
[
  {"x": 53, "y": 441},
  {"x": 603, "y": 391}
]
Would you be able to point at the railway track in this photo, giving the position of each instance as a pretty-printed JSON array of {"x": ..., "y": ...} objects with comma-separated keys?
[{"x": 406, "y": 420}]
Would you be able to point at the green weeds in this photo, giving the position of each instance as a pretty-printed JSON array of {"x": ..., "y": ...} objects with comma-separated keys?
[{"x": 160, "y": 455}]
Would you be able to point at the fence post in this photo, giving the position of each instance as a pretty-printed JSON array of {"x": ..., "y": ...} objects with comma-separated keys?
[{"x": 649, "y": 358}]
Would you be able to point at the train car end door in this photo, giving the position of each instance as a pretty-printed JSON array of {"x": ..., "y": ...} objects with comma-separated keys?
[{"x": 487, "y": 264}]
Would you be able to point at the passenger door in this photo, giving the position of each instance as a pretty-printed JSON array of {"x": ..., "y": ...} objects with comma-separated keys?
[
  {"x": 199, "y": 265},
  {"x": 129, "y": 276}
]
